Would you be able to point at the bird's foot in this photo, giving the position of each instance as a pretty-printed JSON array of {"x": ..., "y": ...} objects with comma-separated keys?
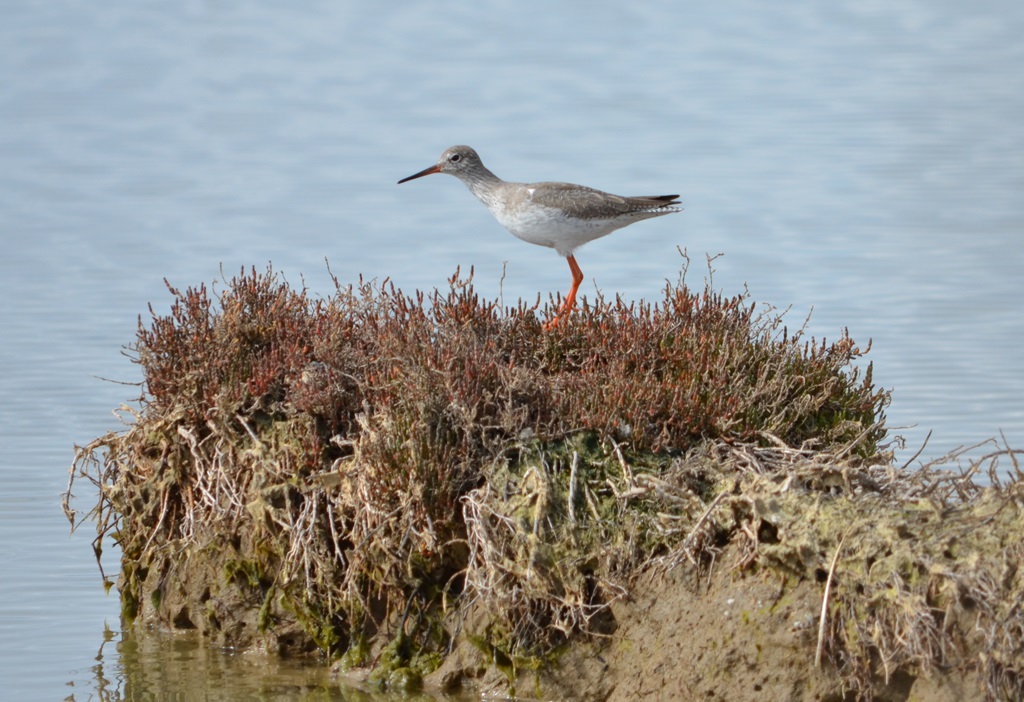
[{"x": 553, "y": 322}]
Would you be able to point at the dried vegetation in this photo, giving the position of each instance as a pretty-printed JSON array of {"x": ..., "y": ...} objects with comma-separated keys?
[{"x": 378, "y": 468}]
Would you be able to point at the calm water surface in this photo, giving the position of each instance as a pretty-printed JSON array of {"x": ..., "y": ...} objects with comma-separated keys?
[{"x": 861, "y": 159}]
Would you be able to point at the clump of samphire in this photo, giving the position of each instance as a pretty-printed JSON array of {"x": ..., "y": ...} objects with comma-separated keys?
[{"x": 378, "y": 474}]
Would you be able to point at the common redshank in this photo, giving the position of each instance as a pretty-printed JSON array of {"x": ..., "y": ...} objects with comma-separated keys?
[{"x": 561, "y": 216}]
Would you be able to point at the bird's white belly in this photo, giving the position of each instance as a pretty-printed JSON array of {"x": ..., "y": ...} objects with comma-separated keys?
[{"x": 546, "y": 226}]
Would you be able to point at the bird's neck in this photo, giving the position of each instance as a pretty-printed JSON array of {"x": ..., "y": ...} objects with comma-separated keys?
[{"x": 482, "y": 183}]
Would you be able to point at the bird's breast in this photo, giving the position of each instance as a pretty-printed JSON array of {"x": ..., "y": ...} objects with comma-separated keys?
[{"x": 548, "y": 226}]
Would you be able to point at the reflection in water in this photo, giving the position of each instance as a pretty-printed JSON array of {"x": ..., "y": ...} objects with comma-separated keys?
[
  {"x": 106, "y": 689},
  {"x": 159, "y": 665}
]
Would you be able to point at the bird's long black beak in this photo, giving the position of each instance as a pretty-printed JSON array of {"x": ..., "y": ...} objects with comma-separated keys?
[{"x": 424, "y": 172}]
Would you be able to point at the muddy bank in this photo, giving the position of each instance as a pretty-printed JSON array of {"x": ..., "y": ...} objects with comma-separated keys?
[
  {"x": 923, "y": 600},
  {"x": 650, "y": 499},
  {"x": 742, "y": 638}
]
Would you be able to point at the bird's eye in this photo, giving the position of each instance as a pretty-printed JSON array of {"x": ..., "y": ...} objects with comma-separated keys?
[{"x": 455, "y": 158}]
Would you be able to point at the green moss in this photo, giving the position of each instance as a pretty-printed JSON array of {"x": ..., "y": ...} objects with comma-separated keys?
[
  {"x": 427, "y": 662},
  {"x": 357, "y": 655},
  {"x": 318, "y": 625},
  {"x": 494, "y": 654},
  {"x": 129, "y": 606},
  {"x": 247, "y": 572},
  {"x": 405, "y": 680},
  {"x": 393, "y": 657},
  {"x": 265, "y": 616}
]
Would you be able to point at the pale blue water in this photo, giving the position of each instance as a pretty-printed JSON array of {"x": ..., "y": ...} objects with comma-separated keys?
[{"x": 864, "y": 159}]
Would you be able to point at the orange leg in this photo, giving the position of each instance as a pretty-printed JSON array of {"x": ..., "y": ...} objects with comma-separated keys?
[{"x": 570, "y": 299}]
